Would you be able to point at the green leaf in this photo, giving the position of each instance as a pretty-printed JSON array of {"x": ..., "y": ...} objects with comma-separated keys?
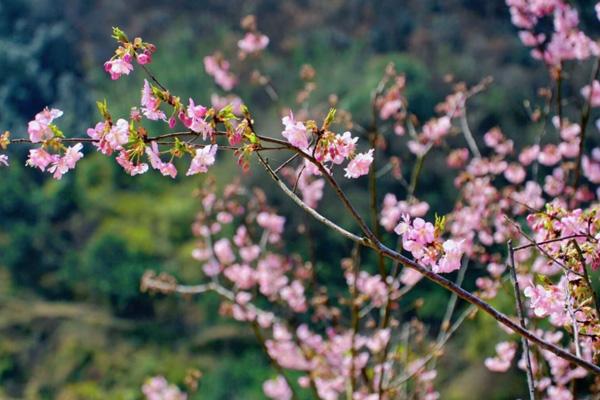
[{"x": 118, "y": 34}]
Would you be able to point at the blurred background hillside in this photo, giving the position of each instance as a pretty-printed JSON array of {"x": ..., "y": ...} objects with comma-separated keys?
[{"x": 73, "y": 323}]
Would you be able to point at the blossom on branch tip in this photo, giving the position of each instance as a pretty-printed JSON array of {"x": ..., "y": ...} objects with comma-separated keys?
[
  {"x": 359, "y": 165},
  {"x": 118, "y": 66},
  {"x": 39, "y": 129},
  {"x": 295, "y": 132},
  {"x": 204, "y": 158},
  {"x": 253, "y": 42}
]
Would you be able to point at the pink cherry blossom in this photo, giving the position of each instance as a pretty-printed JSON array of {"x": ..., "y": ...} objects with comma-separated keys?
[
  {"x": 157, "y": 388},
  {"x": 592, "y": 93},
  {"x": 129, "y": 167},
  {"x": 272, "y": 222},
  {"x": 193, "y": 118},
  {"x": 250, "y": 253},
  {"x": 379, "y": 340},
  {"x": 312, "y": 192},
  {"x": 150, "y": 104},
  {"x": 505, "y": 352},
  {"x": 343, "y": 147},
  {"x": 559, "y": 393},
  {"x": 591, "y": 169},
  {"x": 458, "y": 158},
  {"x": 294, "y": 296},
  {"x": 46, "y": 116},
  {"x": 218, "y": 68},
  {"x": 118, "y": 66},
  {"x": 529, "y": 155},
  {"x": 242, "y": 275},
  {"x": 62, "y": 165},
  {"x": 277, "y": 389},
  {"x": 295, "y": 132},
  {"x": 389, "y": 108},
  {"x": 4, "y": 160},
  {"x": 359, "y": 165},
  {"x": 39, "y": 129},
  {"x": 372, "y": 286},
  {"x": 515, "y": 173},
  {"x": 118, "y": 135},
  {"x": 165, "y": 168},
  {"x": 568, "y": 131},
  {"x": 417, "y": 148},
  {"x": 410, "y": 277},
  {"x": 204, "y": 158},
  {"x": 40, "y": 158},
  {"x": 253, "y": 42},
  {"x": 144, "y": 58},
  {"x": 417, "y": 234},
  {"x": 436, "y": 129},
  {"x": 569, "y": 149},
  {"x": 98, "y": 133},
  {"x": 450, "y": 261},
  {"x": 223, "y": 251},
  {"x": 550, "y": 155},
  {"x": 548, "y": 301},
  {"x": 212, "y": 268}
]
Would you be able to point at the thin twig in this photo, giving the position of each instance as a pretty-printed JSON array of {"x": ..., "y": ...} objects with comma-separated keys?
[
  {"x": 586, "y": 277},
  {"x": 464, "y": 124},
  {"x": 560, "y": 239},
  {"x": 305, "y": 207},
  {"x": 521, "y": 315}
]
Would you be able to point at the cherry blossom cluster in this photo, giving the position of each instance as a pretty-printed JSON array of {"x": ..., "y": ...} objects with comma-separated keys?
[
  {"x": 423, "y": 240},
  {"x": 253, "y": 41},
  {"x": 249, "y": 269},
  {"x": 392, "y": 103},
  {"x": 218, "y": 67},
  {"x": 158, "y": 388},
  {"x": 329, "y": 148},
  {"x": 565, "y": 42},
  {"x": 42, "y": 130},
  {"x": 121, "y": 63}
]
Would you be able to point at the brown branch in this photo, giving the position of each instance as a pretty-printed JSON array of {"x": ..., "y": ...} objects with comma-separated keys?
[{"x": 375, "y": 244}]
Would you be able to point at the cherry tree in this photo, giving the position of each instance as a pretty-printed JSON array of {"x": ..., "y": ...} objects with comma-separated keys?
[{"x": 526, "y": 216}]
